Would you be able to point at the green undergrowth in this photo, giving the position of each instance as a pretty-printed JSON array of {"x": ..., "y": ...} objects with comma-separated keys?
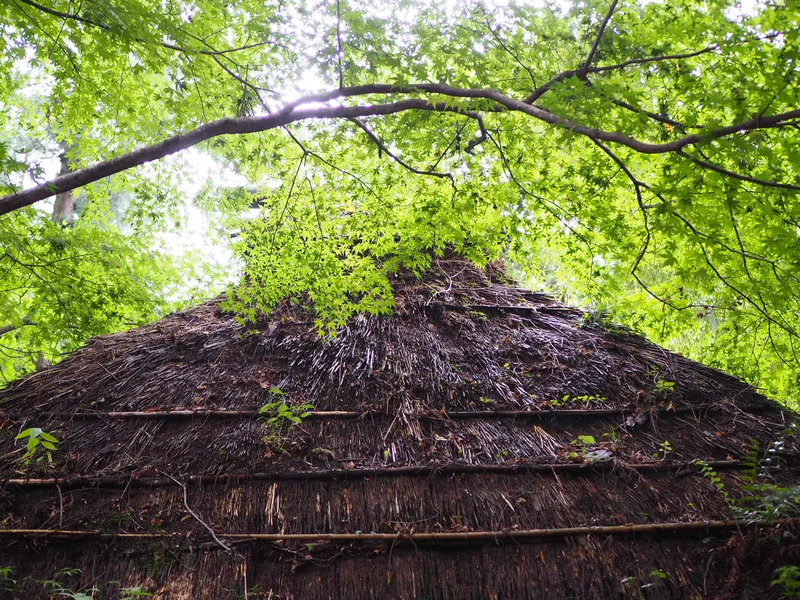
[{"x": 59, "y": 587}]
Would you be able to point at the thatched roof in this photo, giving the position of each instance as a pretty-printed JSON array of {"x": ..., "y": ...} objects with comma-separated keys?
[{"x": 444, "y": 458}]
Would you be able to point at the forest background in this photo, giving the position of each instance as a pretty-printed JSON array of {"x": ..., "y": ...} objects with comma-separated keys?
[{"x": 637, "y": 158}]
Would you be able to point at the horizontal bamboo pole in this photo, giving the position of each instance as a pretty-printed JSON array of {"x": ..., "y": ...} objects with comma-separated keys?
[
  {"x": 344, "y": 414},
  {"x": 543, "y": 308},
  {"x": 691, "y": 527},
  {"x": 420, "y": 470}
]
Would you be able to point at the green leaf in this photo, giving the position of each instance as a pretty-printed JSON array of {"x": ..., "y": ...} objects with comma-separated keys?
[{"x": 32, "y": 432}]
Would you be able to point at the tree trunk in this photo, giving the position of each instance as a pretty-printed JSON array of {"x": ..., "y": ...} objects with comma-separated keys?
[{"x": 64, "y": 208}]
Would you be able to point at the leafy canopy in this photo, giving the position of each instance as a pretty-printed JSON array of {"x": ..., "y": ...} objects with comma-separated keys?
[{"x": 642, "y": 156}]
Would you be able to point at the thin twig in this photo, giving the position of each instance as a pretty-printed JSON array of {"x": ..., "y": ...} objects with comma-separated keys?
[
  {"x": 195, "y": 515},
  {"x": 339, "y": 42},
  {"x": 723, "y": 171},
  {"x": 376, "y": 140}
]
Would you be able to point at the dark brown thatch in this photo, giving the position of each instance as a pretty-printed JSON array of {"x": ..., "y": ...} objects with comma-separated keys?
[{"x": 433, "y": 466}]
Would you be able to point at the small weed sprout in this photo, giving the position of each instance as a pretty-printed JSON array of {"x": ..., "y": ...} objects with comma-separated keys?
[
  {"x": 584, "y": 440},
  {"x": 57, "y": 588},
  {"x": 664, "y": 448},
  {"x": 664, "y": 387},
  {"x": 613, "y": 436},
  {"x": 88, "y": 594},
  {"x": 129, "y": 593},
  {"x": 280, "y": 417},
  {"x": 657, "y": 577},
  {"x": 715, "y": 480},
  {"x": 583, "y": 399},
  {"x": 788, "y": 577},
  {"x": 582, "y": 443},
  {"x": 7, "y": 581},
  {"x": 40, "y": 445}
]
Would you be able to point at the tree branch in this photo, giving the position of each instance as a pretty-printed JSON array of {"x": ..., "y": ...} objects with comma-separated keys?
[
  {"x": 395, "y": 158},
  {"x": 600, "y": 33},
  {"x": 508, "y": 50},
  {"x": 538, "y": 93},
  {"x": 339, "y": 42},
  {"x": 291, "y": 114},
  {"x": 9, "y": 328},
  {"x": 723, "y": 171},
  {"x": 104, "y": 27}
]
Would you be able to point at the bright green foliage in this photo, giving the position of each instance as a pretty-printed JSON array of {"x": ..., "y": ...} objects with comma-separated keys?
[
  {"x": 61, "y": 285},
  {"x": 697, "y": 248},
  {"x": 585, "y": 399},
  {"x": 788, "y": 578},
  {"x": 39, "y": 445}
]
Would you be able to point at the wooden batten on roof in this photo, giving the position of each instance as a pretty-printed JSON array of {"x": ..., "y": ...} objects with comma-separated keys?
[{"x": 482, "y": 442}]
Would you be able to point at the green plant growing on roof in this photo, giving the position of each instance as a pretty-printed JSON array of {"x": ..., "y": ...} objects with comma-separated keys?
[
  {"x": 581, "y": 443},
  {"x": 478, "y": 315},
  {"x": 764, "y": 501},
  {"x": 582, "y": 399},
  {"x": 40, "y": 445},
  {"x": 788, "y": 577},
  {"x": 714, "y": 479},
  {"x": 7, "y": 581},
  {"x": 657, "y": 577},
  {"x": 664, "y": 448},
  {"x": 280, "y": 417},
  {"x": 601, "y": 319},
  {"x": 664, "y": 387},
  {"x": 584, "y": 440},
  {"x": 613, "y": 436},
  {"x": 129, "y": 593},
  {"x": 87, "y": 594},
  {"x": 57, "y": 588},
  {"x": 125, "y": 593}
]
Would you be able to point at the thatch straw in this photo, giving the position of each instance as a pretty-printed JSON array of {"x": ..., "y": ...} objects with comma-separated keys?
[{"x": 478, "y": 413}]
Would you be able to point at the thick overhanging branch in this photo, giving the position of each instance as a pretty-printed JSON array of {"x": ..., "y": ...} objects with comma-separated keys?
[
  {"x": 292, "y": 113},
  {"x": 9, "y": 328}
]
